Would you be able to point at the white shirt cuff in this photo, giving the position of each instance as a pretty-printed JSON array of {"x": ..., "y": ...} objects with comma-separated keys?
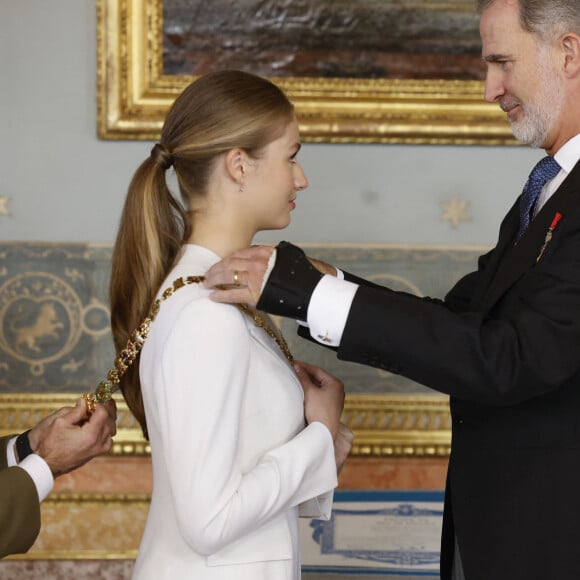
[
  {"x": 328, "y": 309},
  {"x": 319, "y": 507},
  {"x": 41, "y": 475},
  {"x": 10, "y": 455},
  {"x": 36, "y": 467},
  {"x": 269, "y": 268}
]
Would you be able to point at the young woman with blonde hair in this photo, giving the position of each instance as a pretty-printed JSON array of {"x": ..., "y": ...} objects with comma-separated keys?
[{"x": 242, "y": 437}]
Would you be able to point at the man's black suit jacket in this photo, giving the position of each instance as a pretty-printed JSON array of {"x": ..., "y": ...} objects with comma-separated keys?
[{"x": 505, "y": 344}]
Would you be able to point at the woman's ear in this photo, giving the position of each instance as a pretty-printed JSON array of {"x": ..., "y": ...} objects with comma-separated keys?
[{"x": 236, "y": 161}]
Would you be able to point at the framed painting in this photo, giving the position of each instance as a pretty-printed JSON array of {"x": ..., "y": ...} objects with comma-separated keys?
[{"x": 362, "y": 71}]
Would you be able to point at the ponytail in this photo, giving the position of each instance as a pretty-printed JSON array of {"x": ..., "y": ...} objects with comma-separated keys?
[{"x": 152, "y": 229}]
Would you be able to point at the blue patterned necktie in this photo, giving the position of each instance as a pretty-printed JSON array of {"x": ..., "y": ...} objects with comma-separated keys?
[{"x": 546, "y": 169}]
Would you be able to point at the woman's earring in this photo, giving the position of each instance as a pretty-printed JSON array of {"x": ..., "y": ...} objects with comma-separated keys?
[{"x": 242, "y": 180}]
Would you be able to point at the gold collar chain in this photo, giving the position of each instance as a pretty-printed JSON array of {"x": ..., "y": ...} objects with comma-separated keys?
[{"x": 128, "y": 355}]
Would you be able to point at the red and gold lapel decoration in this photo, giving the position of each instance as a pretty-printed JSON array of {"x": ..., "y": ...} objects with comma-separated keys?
[{"x": 549, "y": 233}]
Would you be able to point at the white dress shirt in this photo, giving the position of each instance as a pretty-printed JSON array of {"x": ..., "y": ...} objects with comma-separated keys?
[{"x": 567, "y": 157}]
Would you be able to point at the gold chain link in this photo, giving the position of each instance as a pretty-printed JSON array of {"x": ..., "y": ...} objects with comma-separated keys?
[{"x": 128, "y": 355}]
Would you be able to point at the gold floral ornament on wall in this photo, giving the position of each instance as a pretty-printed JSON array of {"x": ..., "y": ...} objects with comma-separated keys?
[
  {"x": 455, "y": 211},
  {"x": 4, "y": 209}
]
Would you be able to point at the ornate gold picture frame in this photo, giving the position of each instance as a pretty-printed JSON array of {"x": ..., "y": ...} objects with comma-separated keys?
[
  {"x": 384, "y": 426},
  {"x": 134, "y": 94}
]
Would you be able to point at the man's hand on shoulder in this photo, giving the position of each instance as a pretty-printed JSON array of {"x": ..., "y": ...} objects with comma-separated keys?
[
  {"x": 238, "y": 279},
  {"x": 279, "y": 283}
]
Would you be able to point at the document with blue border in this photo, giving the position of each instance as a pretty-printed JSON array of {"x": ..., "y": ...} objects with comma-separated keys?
[{"x": 381, "y": 532}]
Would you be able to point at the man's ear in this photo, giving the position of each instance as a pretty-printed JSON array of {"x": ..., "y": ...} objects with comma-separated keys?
[{"x": 570, "y": 45}]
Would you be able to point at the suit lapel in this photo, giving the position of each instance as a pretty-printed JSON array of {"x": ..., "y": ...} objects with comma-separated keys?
[
  {"x": 518, "y": 259},
  {"x": 504, "y": 244}
]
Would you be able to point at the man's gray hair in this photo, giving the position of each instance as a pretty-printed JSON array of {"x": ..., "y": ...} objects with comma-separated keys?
[{"x": 546, "y": 18}]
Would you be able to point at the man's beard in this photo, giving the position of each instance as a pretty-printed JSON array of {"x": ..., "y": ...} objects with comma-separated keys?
[{"x": 540, "y": 114}]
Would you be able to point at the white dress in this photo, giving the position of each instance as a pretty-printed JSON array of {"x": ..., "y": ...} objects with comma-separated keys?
[{"x": 232, "y": 458}]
